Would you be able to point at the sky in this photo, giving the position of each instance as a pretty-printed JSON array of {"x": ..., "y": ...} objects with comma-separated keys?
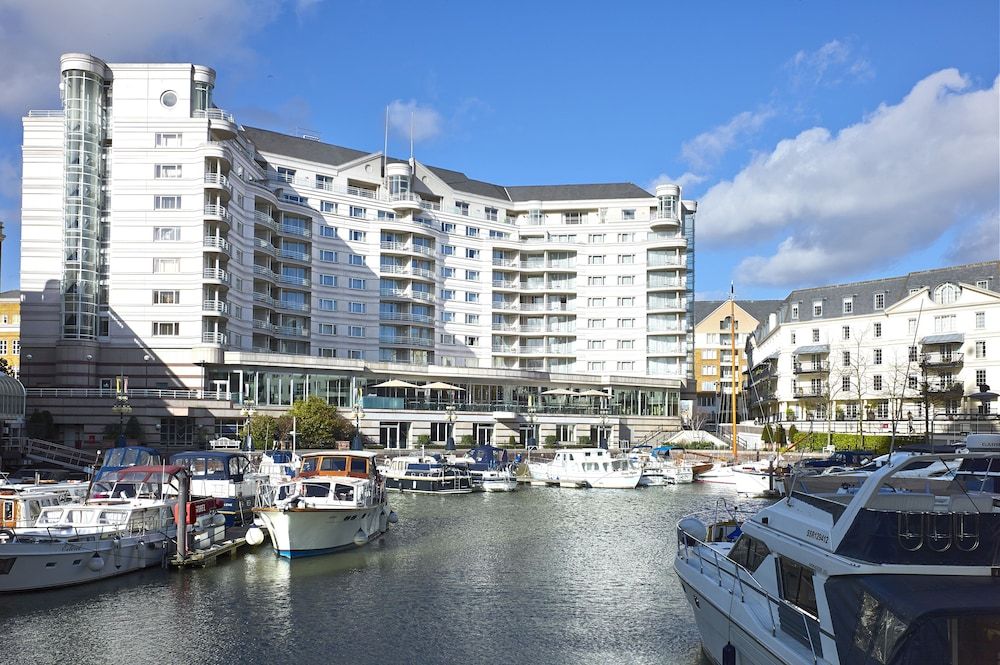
[{"x": 825, "y": 142}]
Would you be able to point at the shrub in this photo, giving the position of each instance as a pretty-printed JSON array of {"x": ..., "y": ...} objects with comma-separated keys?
[
  {"x": 767, "y": 436},
  {"x": 779, "y": 435},
  {"x": 424, "y": 440},
  {"x": 467, "y": 441},
  {"x": 550, "y": 440},
  {"x": 583, "y": 440}
]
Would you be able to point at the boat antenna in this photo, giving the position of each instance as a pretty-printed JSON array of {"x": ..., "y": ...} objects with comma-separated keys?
[
  {"x": 385, "y": 147},
  {"x": 732, "y": 341}
]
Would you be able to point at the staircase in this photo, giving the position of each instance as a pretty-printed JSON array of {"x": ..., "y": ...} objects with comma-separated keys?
[{"x": 54, "y": 454}]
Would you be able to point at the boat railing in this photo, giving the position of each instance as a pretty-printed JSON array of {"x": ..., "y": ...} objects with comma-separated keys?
[{"x": 788, "y": 614}]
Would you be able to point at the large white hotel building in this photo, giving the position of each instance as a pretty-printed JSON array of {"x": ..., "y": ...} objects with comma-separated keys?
[{"x": 222, "y": 268}]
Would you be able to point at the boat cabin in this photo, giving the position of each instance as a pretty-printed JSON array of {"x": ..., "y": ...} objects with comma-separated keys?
[
  {"x": 138, "y": 482},
  {"x": 346, "y": 463},
  {"x": 213, "y": 464},
  {"x": 117, "y": 459}
]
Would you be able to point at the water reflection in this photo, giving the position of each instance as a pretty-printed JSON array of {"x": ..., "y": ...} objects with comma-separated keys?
[{"x": 542, "y": 575}]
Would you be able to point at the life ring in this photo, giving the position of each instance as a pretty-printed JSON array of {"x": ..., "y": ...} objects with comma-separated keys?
[{"x": 11, "y": 537}]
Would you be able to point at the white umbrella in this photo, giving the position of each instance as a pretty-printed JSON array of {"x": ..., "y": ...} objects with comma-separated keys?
[
  {"x": 395, "y": 383},
  {"x": 594, "y": 393},
  {"x": 558, "y": 391},
  {"x": 438, "y": 385}
]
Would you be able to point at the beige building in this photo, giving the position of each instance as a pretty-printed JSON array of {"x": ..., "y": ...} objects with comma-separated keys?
[{"x": 10, "y": 329}]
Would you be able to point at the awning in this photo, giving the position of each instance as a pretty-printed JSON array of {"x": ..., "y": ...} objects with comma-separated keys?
[
  {"x": 11, "y": 398},
  {"x": 947, "y": 338},
  {"x": 773, "y": 356},
  {"x": 815, "y": 348},
  {"x": 395, "y": 383}
]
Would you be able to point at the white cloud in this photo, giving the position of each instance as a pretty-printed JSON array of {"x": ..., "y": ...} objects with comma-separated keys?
[
  {"x": 704, "y": 150},
  {"x": 34, "y": 34},
  {"x": 688, "y": 179},
  {"x": 830, "y": 64},
  {"x": 872, "y": 193},
  {"x": 977, "y": 242},
  {"x": 424, "y": 121}
]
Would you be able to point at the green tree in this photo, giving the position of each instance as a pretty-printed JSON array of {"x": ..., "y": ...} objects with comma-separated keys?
[
  {"x": 767, "y": 436},
  {"x": 318, "y": 424},
  {"x": 41, "y": 426},
  {"x": 793, "y": 435},
  {"x": 133, "y": 430},
  {"x": 5, "y": 367},
  {"x": 263, "y": 429},
  {"x": 779, "y": 435}
]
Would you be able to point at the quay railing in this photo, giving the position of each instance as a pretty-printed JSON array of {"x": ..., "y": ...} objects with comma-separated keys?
[{"x": 146, "y": 393}]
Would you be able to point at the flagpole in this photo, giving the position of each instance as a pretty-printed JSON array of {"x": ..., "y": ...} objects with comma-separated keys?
[{"x": 732, "y": 340}]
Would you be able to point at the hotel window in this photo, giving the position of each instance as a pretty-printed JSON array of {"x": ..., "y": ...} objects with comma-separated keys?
[
  {"x": 845, "y": 383},
  {"x": 166, "y": 233},
  {"x": 164, "y": 140},
  {"x": 626, "y": 302},
  {"x": 911, "y": 326},
  {"x": 626, "y": 237},
  {"x": 166, "y": 328},
  {"x": 328, "y": 305},
  {"x": 491, "y": 213},
  {"x": 848, "y": 305},
  {"x": 324, "y": 182},
  {"x": 845, "y": 332},
  {"x": 285, "y": 174},
  {"x": 448, "y": 227},
  {"x": 327, "y": 329},
  {"x": 447, "y": 272},
  {"x": 356, "y": 331},
  {"x": 471, "y": 297},
  {"x": 16, "y": 350},
  {"x": 357, "y": 308},
  {"x": 385, "y": 215},
  {"x": 166, "y": 202},
  {"x": 472, "y": 275},
  {"x": 815, "y": 335},
  {"x": 472, "y": 231},
  {"x": 626, "y": 365},
  {"x": 447, "y": 294},
  {"x": 166, "y": 297},
  {"x": 462, "y": 208},
  {"x": 356, "y": 283},
  {"x": 327, "y": 256},
  {"x": 357, "y": 211},
  {"x": 356, "y": 260},
  {"x": 595, "y": 344},
  {"x": 878, "y": 329},
  {"x": 980, "y": 320},
  {"x": 326, "y": 352},
  {"x": 628, "y": 214},
  {"x": 912, "y": 355},
  {"x": 877, "y": 382},
  {"x": 327, "y": 206},
  {"x": 595, "y": 366},
  {"x": 167, "y": 171},
  {"x": 595, "y": 323},
  {"x": 879, "y": 301},
  {"x": 626, "y": 323},
  {"x": 981, "y": 349},
  {"x": 595, "y": 302},
  {"x": 498, "y": 235},
  {"x": 357, "y": 236},
  {"x": 626, "y": 344},
  {"x": 795, "y": 312},
  {"x": 845, "y": 358},
  {"x": 596, "y": 237},
  {"x": 166, "y": 265},
  {"x": 982, "y": 283},
  {"x": 946, "y": 294},
  {"x": 356, "y": 354},
  {"x": 595, "y": 281},
  {"x": 448, "y": 250},
  {"x": 626, "y": 259},
  {"x": 328, "y": 280},
  {"x": 793, "y": 338},
  {"x": 877, "y": 356},
  {"x": 595, "y": 260},
  {"x": 911, "y": 382},
  {"x": 472, "y": 319},
  {"x": 707, "y": 370},
  {"x": 944, "y": 323},
  {"x": 980, "y": 374},
  {"x": 471, "y": 253},
  {"x": 626, "y": 280},
  {"x": 817, "y": 308},
  {"x": 447, "y": 316},
  {"x": 471, "y": 341},
  {"x": 447, "y": 338}
]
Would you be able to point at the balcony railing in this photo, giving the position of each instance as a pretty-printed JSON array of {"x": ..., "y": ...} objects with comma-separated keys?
[
  {"x": 266, "y": 273},
  {"x": 406, "y": 340},
  {"x": 215, "y": 210},
  {"x": 213, "y": 338},
  {"x": 807, "y": 392},
  {"x": 810, "y": 367},
  {"x": 406, "y": 317},
  {"x": 216, "y": 274},
  {"x": 215, "y": 306},
  {"x": 293, "y": 279},
  {"x": 293, "y": 306},
  {"x": 506, "y": 263},
  {"x": 942, "y": 359},
  {"x": 296, "y": 230},
  {"x": 261, "y": 217},
  {"x": 265, "y": 246},
  {"x": 214, "y": 114},
  {"x": 216, "y": 179},
  {"x": 294, "y": 255},
  {"x": 217, "y": 242}
]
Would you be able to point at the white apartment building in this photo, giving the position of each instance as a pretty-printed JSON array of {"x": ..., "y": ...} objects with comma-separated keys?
[
  {"x": 911, "y": 348},
  {"x": 211, "y": 266}
]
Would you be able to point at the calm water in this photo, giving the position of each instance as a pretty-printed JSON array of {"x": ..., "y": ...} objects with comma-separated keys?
[{"x": 542, "y": 575}]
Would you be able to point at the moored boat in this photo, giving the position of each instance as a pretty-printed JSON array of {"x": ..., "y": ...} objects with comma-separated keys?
[
  {"x": 587, "y": 467},
  {"x": 490, "y": 469},
  {"x": 225, "y": 475},
  {"x": 337, "y": 502},
  {"x": 427, "y": 474}
]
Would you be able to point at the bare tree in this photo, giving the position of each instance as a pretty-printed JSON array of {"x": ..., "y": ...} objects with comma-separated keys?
[
  {"x": 853, "y": 364},
  {"x": 897, "y": 388}
]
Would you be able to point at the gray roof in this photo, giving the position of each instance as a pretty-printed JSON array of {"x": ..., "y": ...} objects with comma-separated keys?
[
  {"x": 815, "y": 348},
  {"x": 325, "y": 153},
  {"x": 945, "y": 338},
  {"x": 758, "y": 309},
  {"x": 12, "y": 294}
]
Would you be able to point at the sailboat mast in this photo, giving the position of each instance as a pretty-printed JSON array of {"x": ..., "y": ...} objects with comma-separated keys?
[{"x": 732, "y": 341}]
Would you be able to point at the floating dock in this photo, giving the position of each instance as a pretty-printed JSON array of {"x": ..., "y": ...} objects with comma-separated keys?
[{"x": 200, "y": 558}]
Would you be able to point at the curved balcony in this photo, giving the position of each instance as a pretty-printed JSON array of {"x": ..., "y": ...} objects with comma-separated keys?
[
  {"x": 663, "y": 220},
  {"x": 290, "y": 331},
  {"x": 264, "y": 299},
  {"x": 405, "y": 340},
  {"x": 219, "y": 183},
  {"x": 423, "y": 274},
  {"x": 216, "y": 212},
  {"x": 221, "y": 123},
  {"x": 294, "y": 279},
  {"x": 666, "y": 239},
  {"x": 263, "y": 326},
  {"x": 406, "y": 317},
  {"x": 392, "y": 269},
  {"x": 290, "y": 229},
  {"x": 265, "y": 273},
  {"x": 218, "y": 150},
  {"x": 213, "y": 338},
  {"x": 506, "y": 284},
  {"x": 216, "y": 275},
  {"x": 216, "y": 244},
  {"x": 264, "y": 219},
  {"x": 261, "y": 245},
  {"x": 292, "y": 306},
  {"x": 406, "y": 201},
  {"x": 294, "y": 255},
  {"x": 215, "y": 307}
]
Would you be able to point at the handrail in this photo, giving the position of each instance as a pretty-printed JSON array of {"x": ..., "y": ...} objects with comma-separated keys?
[{"x": 110, "y": 393}]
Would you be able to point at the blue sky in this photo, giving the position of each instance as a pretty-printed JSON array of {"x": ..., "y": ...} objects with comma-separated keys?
[{"x": 825, "y": 141}]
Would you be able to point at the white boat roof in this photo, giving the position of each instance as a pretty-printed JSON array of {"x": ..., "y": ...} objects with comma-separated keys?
[
  {"x": 367, "y": 454},
  {"x": 599, "y": 451}
]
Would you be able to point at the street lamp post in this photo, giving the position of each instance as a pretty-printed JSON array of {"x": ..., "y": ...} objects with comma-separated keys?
[
  {"x": 358, "y": 413},
  {"x": 533, "y": 429},
  {"x": 602, "y": 434},
  {"x": 248, "y": 412},
  {"x": 449, "y": 415},
  {"x": 122, "y": 408}
]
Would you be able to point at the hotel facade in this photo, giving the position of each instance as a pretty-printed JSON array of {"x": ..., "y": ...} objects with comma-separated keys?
[
  {"x": 205, "y": 270},
  {"x": 914, "y": 349}
]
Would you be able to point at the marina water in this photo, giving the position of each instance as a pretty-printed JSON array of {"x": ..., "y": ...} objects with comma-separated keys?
[{"x": 542, "y": 575}]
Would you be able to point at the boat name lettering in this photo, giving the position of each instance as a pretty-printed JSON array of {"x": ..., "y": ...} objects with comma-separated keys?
[
  {"x": 69, "y": 547},
  {"x": 818, "y": 535}
]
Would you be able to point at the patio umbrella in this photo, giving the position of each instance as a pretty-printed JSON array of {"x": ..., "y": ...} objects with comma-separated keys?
[
  {"x": 395, "y": 383},
  {"x": 438, "y": 385},
  {"x": 594, "y": 393},
  {"x": 558, "y": 391}
]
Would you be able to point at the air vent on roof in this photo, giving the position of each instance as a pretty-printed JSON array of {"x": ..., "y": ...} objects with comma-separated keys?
[{"x": 308, "y": 134}]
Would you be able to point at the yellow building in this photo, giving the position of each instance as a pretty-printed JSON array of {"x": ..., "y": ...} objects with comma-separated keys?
[
  {"x": 713, "y": 354},
  {"x": 10, "y": 329}
]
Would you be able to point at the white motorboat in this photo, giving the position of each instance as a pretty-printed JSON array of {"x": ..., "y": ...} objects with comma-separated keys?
[
  {"x": 678, "y": 473},
  {"x": 337, "y": 502},
  {"x": 587, "y": 467},
  {"x": 888, "y": 569},
  {"x": 653, "y": 474},
  {"x": 225, "y": 475},
  {"x": 128, "y": 524},
  {"x": 489, "y": 469},
  {"x": 20, "y": 504},
  {"x": 279, "y": 465},
  {"x": 427, "y": 474},
  {"x": 760, "y": 478},
  {"x": 721, "y": 473}
]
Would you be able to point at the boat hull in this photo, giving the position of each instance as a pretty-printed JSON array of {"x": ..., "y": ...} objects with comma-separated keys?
[
  {"x": 302, "y": 532},
  {"x": 52, "y": 565},
  {"x": 430, "y": 485},
  {"x": 754, "y": 483}
]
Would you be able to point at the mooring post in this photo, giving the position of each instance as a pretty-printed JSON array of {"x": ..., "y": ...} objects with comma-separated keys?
[{"x": 182, "y": 501}]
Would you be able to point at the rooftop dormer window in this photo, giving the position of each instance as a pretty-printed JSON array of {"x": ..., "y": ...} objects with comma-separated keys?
[{"x": 946, "y": 294}]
